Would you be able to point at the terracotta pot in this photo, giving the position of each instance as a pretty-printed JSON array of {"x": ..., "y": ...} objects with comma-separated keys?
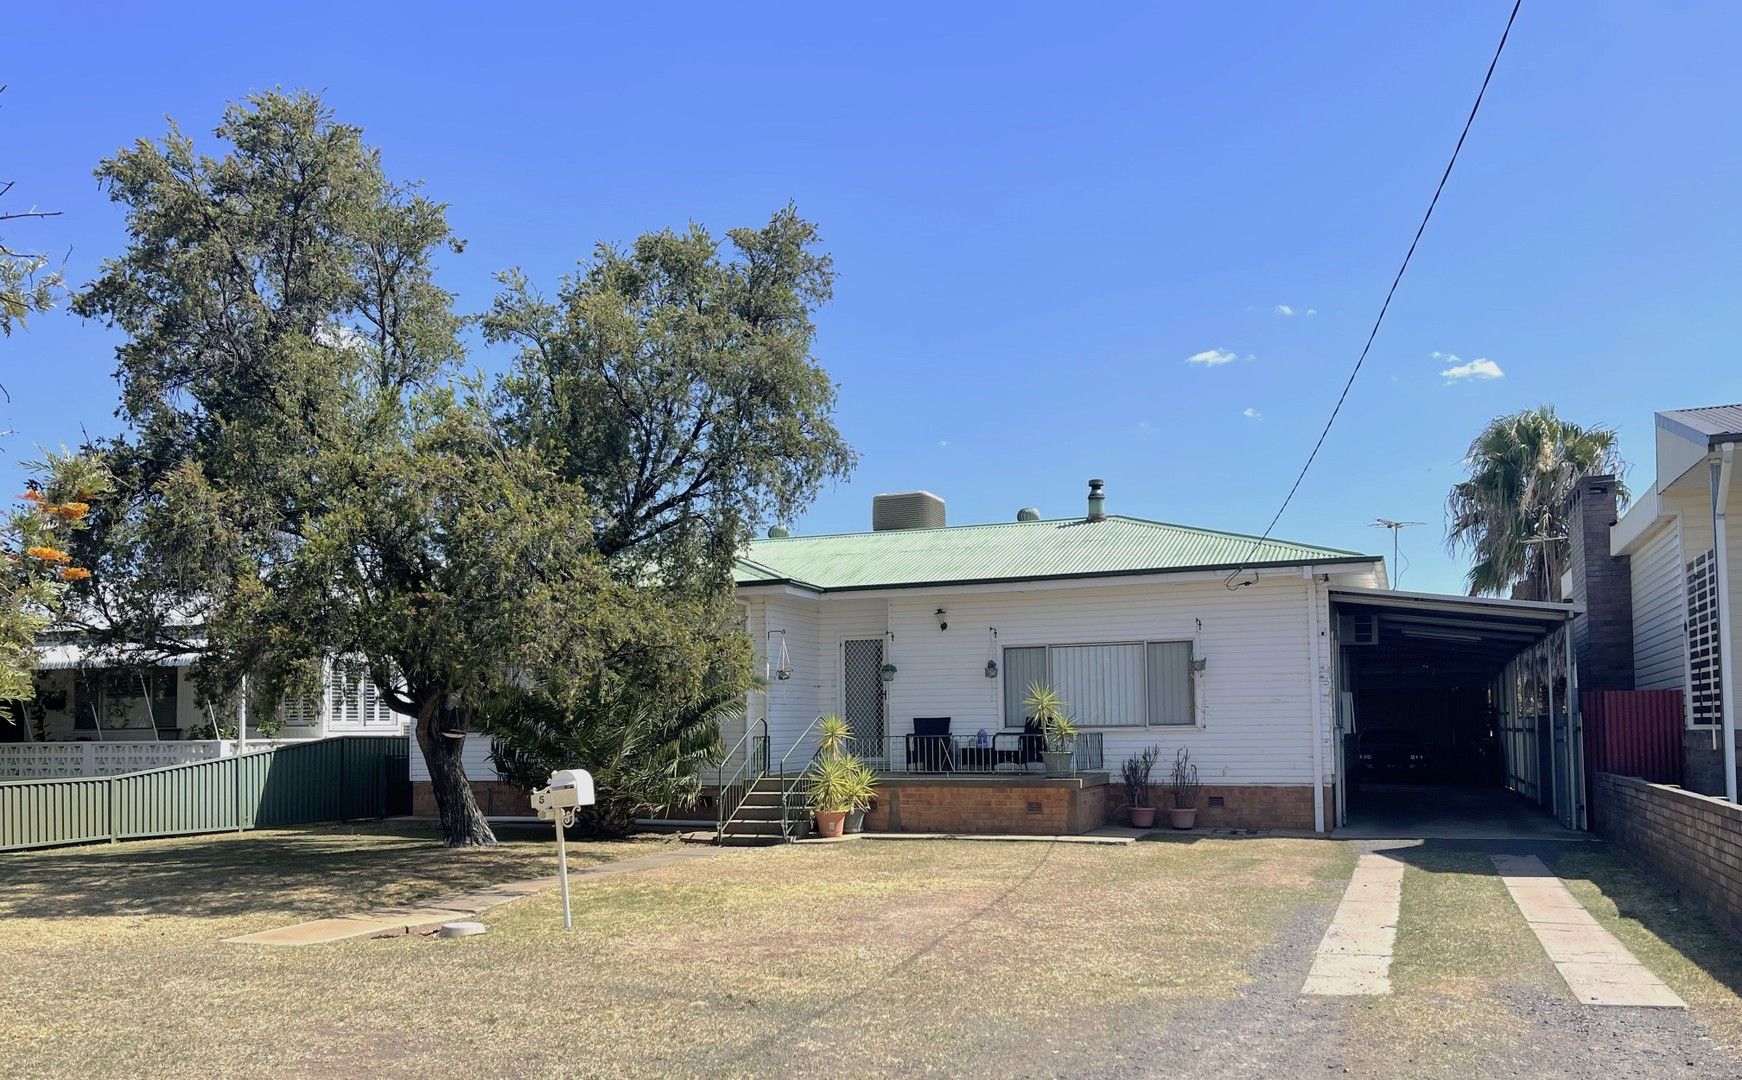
[
  {"x": 1142, "y": 817},
  {"x": 1183, "y": 819},
  {"x": 831, "y": 822}
]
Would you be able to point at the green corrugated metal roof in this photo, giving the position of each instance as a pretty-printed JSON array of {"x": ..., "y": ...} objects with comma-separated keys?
[{"x": 1011, "y": 551}]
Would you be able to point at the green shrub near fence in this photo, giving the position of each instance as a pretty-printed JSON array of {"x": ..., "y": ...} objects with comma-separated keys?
[{"x": 323, "y": 780}]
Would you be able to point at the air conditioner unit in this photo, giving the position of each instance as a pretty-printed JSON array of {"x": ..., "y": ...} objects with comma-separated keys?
[{"x": 1359, "y": 630}]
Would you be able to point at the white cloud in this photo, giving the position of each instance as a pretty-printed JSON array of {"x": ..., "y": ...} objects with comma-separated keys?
[
  {"x": 1312, "y": 311},
  {"x": 1480, "y": 368},
  {"x": 1284, "y": 309},
  {"x": 943, "y": 442},
  {"x": 1252, "y": 414},
  {"x": 1290, "y": 309},
  {"x": 1212, "y": 357}
]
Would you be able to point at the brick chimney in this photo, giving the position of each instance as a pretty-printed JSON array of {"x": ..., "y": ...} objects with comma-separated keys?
[{"x": 1603, "y": 635}]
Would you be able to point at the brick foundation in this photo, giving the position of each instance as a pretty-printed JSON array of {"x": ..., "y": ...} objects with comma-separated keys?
[
  {"x": 1038, "y": 806},
  {"x": 498, "y": 799},
  {"x": 495, "y": 798},
  {"x": 1694, "y": 841},
  {"x": 1019, "y": 805},
  {"x": 1243, "y": 806}
]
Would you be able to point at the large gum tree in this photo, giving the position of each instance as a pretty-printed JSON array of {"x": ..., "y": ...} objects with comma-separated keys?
[
  {"x": 303, "y": 477},
  {"x": 306, "y": 475}
]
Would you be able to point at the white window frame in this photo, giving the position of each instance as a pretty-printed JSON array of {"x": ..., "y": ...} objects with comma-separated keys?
[{"x": 1197, "y": 722}]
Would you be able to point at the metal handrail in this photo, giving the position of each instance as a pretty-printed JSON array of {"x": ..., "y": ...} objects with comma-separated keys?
[
  {"x": 786, "y": 823},
  {"x": 734, "y": 793}
]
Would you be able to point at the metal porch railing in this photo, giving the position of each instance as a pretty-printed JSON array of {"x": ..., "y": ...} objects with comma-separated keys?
[{"x": 734, "y": 790}]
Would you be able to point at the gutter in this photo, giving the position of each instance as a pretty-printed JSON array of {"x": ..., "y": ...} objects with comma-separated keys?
[
  {"x": 1721, "y": 472},
  {"x": 1085, "y": 575}
]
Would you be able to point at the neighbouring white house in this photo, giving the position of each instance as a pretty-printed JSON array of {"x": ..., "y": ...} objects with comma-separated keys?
[
  {"x": 1263, "y": 658},
  {"x": 100, "y": 711},
  {"x": 1684, "y": 552}
]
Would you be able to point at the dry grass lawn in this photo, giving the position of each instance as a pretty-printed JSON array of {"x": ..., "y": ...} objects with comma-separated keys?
[{"x": 857, "y": 958}]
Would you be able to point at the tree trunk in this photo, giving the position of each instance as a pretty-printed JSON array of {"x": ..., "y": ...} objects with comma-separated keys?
[{"x": 463, "y": 824}]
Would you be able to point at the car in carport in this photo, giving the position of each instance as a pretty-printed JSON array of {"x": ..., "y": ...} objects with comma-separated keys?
[{"x": 1394, "y": 755}]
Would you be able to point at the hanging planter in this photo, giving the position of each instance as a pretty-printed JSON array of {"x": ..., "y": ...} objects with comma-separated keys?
[
  {"x": 783, "y": 670},
  {"x": 888, "y": 672},
  {"x": 991, "y": 669},
  {"x": 991, "y": 652}
]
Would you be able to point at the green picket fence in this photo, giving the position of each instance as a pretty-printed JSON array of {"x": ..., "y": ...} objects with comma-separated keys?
[{"x": 324, "y": 780}]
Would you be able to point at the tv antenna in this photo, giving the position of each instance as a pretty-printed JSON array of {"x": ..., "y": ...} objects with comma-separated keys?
[{"x": 1395, "y": 527}]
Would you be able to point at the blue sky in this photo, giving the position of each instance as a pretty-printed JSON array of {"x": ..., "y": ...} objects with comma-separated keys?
[{"x": 1038, "y": 216}]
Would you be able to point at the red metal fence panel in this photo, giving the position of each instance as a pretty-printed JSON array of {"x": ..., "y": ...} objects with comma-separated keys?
[{"x": 1633, "y": 733}]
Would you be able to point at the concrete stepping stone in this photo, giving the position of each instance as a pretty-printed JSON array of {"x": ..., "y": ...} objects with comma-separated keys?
[
  {"x": 1597, "y": 967},
  {"x": 1354, "y": 958}
]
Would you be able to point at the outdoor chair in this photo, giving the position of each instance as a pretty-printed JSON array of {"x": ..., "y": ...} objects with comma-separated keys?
[
  {"x": 929, "y": 748},
  {"x": 1024, "y": 748}
]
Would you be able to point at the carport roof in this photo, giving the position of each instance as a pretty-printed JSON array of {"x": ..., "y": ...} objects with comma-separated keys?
[
  {"x": 1480, "y": 631},
  {"x": 1533, "y": 610}
]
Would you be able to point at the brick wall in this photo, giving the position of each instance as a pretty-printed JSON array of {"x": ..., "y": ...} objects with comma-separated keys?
[
  {"x": 1241, "y": 806},
  {"x": 1603, "y": 635},
  {"x": 1694, "y": 841},
  {"x": 1702, "y": 762},
  {"x": 962, "y": 805},
  {"x": 495, "y": 798}
]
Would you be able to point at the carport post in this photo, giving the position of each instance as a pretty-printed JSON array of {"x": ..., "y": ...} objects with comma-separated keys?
[{"x": 1726, "y": 643}]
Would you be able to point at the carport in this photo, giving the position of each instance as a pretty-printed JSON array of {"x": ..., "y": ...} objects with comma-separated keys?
[{"x": 1455, "y": 713}]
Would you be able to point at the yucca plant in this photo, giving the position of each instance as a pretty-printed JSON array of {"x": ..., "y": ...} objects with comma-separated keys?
[
  {"x": 863, "y": 786},
  {"x": 830, "y": 784},
  {"x": 1044, "y": 704},
  {"x": 833, "y": 736}
]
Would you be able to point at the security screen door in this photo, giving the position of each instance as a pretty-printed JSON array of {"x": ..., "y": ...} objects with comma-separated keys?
[{"x": 862, "y": 694}]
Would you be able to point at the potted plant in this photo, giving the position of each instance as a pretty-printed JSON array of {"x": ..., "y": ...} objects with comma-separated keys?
[
  {"x": 833, "y": 735},
  {"x": 1137, "y": 800},
  {"x": 1182, "y": 789},
  {"x": 1060, "y": 731},
  {"x": 829, "y": 786},
  {"x": 862, "y": 790}
]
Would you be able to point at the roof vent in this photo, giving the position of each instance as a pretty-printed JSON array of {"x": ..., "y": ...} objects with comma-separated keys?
[
  {"x": 778, "y": 532},
  {"x": 907, "y": 510},
  {"x": 1097, "y": 501},
  {"x": 1028, "y": 513}
]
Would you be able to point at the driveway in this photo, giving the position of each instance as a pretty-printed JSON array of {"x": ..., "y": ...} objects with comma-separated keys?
[{"x": 1473, "y": 995}]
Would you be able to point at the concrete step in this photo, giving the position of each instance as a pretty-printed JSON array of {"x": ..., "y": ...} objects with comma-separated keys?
[
  {"x": 754, "y": 826},
  {"x": 734, "y": 840}
]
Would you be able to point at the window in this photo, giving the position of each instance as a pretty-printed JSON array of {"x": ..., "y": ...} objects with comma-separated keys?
[{"x": 1128, "y": 684}]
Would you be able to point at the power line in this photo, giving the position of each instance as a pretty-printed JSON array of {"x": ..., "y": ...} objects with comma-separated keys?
[{"x": 1389, "y": 293}]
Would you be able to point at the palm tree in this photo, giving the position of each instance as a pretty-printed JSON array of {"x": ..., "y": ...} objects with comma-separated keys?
[{"x": 1511, "y": 513}]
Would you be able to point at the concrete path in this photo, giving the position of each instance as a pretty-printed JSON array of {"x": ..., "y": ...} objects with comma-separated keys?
[
  {"x": 1355, "y": 956},
  {"x": 1598, "y": 969},
  {"x": 1107, "y": 834},
  {"x": 430, "y": 914}
]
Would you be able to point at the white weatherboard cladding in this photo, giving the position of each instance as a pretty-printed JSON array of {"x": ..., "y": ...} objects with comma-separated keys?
[
  {"x": 1659, "y": 612},
  {"x": 475, "y": 758},
  {"x": 1253, "y": 700},
  {"x": 1691, "y": 500},
  {"x": 791, "y": 704}
]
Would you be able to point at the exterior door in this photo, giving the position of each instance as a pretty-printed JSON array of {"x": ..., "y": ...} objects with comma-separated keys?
[{"x": 862, "y": 695}]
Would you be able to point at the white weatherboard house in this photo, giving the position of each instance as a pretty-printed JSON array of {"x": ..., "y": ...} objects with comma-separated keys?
[
  {"x": 100, "y": 712},
  {"x": 1256, "y": 656},
  {"x": 1683, "y": 537}
]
